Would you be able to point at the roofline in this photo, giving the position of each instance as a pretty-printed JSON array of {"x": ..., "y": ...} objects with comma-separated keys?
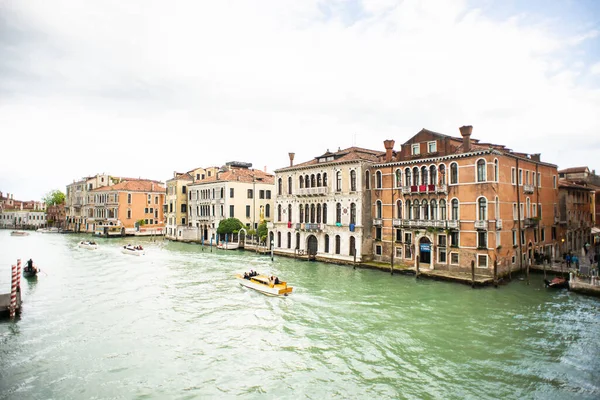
[{"x": 299, "y": 167}]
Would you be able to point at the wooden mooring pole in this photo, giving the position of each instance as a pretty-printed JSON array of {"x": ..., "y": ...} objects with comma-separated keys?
[
  {"x": 354, "y": 267},
  {"x": 472, "y": 273},
  {"x": 495, "y": 273},
  {"x": 418, "y": 265}
]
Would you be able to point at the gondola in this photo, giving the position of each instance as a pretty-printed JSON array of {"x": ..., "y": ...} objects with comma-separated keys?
[{"x": 557, "y": 283}]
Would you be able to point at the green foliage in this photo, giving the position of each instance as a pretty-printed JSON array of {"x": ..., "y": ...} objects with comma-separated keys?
[
  {"x": 262, "y": 231},
  {"x": 141, "y": 222},
  {"x": 229, "y": 225},
  {"x": 54, "y": 197},
  {"x": 251, "y": 232}
]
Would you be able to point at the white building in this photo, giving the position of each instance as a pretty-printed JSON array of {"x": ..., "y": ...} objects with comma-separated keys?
[
  {"x": 79, "y": 203},
  {"x": 235, "y": 191},
  {"x": 322, "y": 207},
  {"x": 23, "y": 214}
]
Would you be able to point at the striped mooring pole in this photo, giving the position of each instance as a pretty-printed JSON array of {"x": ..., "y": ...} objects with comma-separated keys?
[
  {"x": 19, "y": 271},
  {"x": 13, "y": 292}
]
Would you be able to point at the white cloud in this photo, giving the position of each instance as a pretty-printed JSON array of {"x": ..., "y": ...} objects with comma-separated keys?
[
  {"x": 145, "y": 88},
  {"x": 595, "y": 69}
]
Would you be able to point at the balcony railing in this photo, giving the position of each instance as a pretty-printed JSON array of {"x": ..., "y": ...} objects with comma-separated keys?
[
  {"x": 556, "y": 220},
  {"x": 452, "y": 224},
  {"x": 424, "y": 189},
  {"x": 397, "y": 222},
  {"x": 406, "y": 189},
  {"x": 441, "y": 189},
  {"x": 313, "y": 191},
  {"x": 531, "y": 222},
  {"x": 481, "y": 225},
  {"x": 528, "y": 188},
  {"x": 377, "y": 222},
  {"x": 498, "y": 224}
]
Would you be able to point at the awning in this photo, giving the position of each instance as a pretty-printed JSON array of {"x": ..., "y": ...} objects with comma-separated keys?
[{"x": 595, "y": 231}]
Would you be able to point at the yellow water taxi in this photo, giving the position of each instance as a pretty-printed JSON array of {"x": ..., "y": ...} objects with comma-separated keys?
[{"x": 265, "y": 285}]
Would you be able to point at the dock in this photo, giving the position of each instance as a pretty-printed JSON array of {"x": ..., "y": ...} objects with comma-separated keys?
[{"x": 5, "y": 304}]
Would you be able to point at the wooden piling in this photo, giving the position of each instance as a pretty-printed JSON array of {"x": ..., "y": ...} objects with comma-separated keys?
[
  {"x": 528, "y": 264},
  {"x": 418, "y": 265},
  {"x": 495, "y": 273},
  {"x": 354, "y": 258},
  {"x": 472, "y": 273}
]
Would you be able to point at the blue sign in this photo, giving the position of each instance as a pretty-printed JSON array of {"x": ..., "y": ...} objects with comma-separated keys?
[{"x": 425, "y": 247}]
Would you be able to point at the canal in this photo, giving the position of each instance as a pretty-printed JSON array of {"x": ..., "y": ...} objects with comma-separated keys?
[{"x": 174, "y": 324}]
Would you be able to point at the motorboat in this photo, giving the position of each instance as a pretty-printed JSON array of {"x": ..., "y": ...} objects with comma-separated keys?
[
  {"x": 87, "y": 244},
  {"x": 19, "y": 233},
  {"x": 264, "y": 284},
  {"x": 133, "y": 250},
  {"x": 228, "y": 246},
  {"x": 49, "y": 230},
  {"x": 557, "y": 283}
]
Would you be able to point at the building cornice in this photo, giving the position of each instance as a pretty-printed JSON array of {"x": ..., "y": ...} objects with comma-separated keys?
[{"x": 321, "y": 165}]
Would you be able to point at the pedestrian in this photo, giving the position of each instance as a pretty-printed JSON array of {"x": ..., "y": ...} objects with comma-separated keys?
[
  {"x": 568, "y": 260},
  {"x": 575, "y": 260}
]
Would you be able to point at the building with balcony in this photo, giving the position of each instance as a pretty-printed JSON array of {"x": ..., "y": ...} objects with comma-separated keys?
[
  {"x": 322, "y": 206},
  {"x": 21, "y": 214},
  {"x": 131, "y": 206},
  {"x": 56, "y": 216},
  {"x": 576, "y": 210},
  {"x": 448, "y": 201},
  {"x": 77, "y": 201},
  {"x": 233, "y": 191}
]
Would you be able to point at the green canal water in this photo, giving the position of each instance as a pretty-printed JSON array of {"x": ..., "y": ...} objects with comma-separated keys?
[{"x": 173, "y": 324}]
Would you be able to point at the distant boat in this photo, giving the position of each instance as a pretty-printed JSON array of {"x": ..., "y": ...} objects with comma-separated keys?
[
  {"x": 133, "y": 250},
  {"x": 30, "y": 272},
  {"x": 86, "y": 244},
  {"x": 228, "y": 246},
  {"x": 263, "y": 284},
  {"x": 19, "y": 233},
  {"x": 557, "y": 283}
]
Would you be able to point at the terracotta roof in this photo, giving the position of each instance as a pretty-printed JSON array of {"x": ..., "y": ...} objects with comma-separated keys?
[
  {"x": 573, "y": 170},
  {"x": 137, "y": 185},
  {"x": 570, "y": 185},
  {"x": 349, "y": 154},
  {"x": 240, "y": 175}
]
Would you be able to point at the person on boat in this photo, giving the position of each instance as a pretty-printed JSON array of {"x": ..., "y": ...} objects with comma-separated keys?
[
  {"x": 30, "y": 263},
  {"x": 277, "y": 280},
  {"x": 246, "y": 276}
]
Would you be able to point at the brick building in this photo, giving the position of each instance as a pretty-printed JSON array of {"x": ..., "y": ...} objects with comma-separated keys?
[
  {"x": 451, "y": 200},
  {"x": 56, "y": 216}
]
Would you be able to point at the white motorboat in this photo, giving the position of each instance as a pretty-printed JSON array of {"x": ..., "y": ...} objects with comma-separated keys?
[
  {"x": 265, "y": 285},
  {"x": 19, "y": 233},
  {"x": 86, "y": 244},
  {"x": 228, "y": 246},
  {"x": 133, "y": 250}
]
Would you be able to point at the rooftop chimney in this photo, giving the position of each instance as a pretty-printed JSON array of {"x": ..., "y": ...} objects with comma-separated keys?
[
  {"x": 265, "y": 169},
  {"x": 465, "y": 131},
  {"x": 292, "y": 159},
  {"x": 536, "y": 157},
  {"x": 389, "y": 147}
]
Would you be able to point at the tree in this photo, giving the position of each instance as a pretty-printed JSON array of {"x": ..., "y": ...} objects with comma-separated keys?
[
  {"x": 229, "y": 225},
  {"x": 54, "y": 198},
  {"x": 262, "y": 231}
]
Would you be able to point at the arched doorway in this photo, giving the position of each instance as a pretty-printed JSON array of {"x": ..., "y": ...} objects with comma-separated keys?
[
  {"x": 271, "y": 240},
  {"x": 425, "y": 250},
  {"x": 312, "y": 246}
]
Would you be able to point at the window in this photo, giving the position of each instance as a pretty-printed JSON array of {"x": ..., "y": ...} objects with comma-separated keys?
[
  {"x": 184, "y": 189},
  {"x": 156, "y": 213},
  {"x": 455, "y": 213},
  {"x": 443, "y": 209},
  {"x": 378, "y": 209},
  {"x": 129, "y": 198},
  {"x": 454, "y": 174},
  {"x": 268, "y": 211},
  {"x": 527, "y": 177},
  {"x": 338, "y": 244},
  {"x": 250, "y": 193},
  {"x": 520, "y": 177},
  {"x": 289, "y": 212},
  {"x": 289, "y": 240},
  {"x": 534, "y": 210},
  {"x": 378, "y": 233},
  {"x": 378, "y": 180},
  {"x": 247, "y": 211},
  {"x": 482, "y": 260},
  {"x": 378, "y": 250},
  {"x": 324, "y": 213},
  {"x": 442, "y": 255},
  {"x": 482, "y": 208},
  {"x": 481, "y": 175},
  {"x": 442, "y": 240},
  {"x": 433, "y": 211},
  {"x": 399, "y": 252},
  {"x": 415, "y": 148},
  {"x": 534, "y": 176},
  {"x": 433, "y": 175},
  {"x": 184, "y": 208},
  {"x": 454, "y": 258},
  {"x": 454, "y": 238},
  {"x": 326, "y": 243},
  {"x": 398, "y": 235},
  {"x": 279, "y": 212},
  {"x": 231, "y": 211},
  {"x": 268, "y": 195},
  {"x": 543, "y": 234},
  {"x": 539, "y": 179},
  {"x": 398, "y": 176},
  {"x": 353, "y": 181},
  {"x": 367, "y": 180},
  {"x": 416, "y": 176},
  {"x": 513, "y": 175},
  {"x": 290, "y": 186},
  {"x": 280, "y": 187},
  {"x": 535, "y": 236},
  {"x": 515, "y": 215},
  {"x": 554, "y": 181},
  {"x": 278, "y": 239},
  {"x": 399, "y": 209},
  {"x": 352, "y": 213},
  {"x": 431, "y": 147},
  {"x": 129, "y": 213},
  {"x": 496, "y": 170},
  {"x": 338, "y": 181},
  {"x": 338, "y": 213},
  {"x": 407, "y": 177},
  {"x": 523, "y": 237},
  {"x": 482, "y": 239},
  {"x": 231, "y": 192}
]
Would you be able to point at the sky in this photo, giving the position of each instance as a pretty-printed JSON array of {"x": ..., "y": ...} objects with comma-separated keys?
[{"x": 143, "y": 88}]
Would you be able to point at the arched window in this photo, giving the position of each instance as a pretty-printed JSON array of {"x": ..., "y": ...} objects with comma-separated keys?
[
  {"x": 301, "y": 181},
  {"x": 306, "y": 213},
  {"x": 289, "y": 213},
  {"x": 378, "y": 209},
  {"x": 352, "y": 246},
  {"x": 454, "y": 173},
  {"x": 482, "y": 208},
  {"x": 353, "y": 181},
  {"x": 298, "y": 240},
  {"x": 318, "y": 213},
  {"x": 367, "y": 180},
  {"x": 408, "y": 177},
  {"x": 409, "y": 210},
  {"x": 528, "y": 207},
  {"x": 417, "y": 209},
  {"x": 442, "y": 170},
  {"x": 398, "y": 178},
  {"x": 279, "y": 187},
  {"x": 325, "y": 179},
  {"x": 279, "y": 213},
  {"x": 496, "y": 170},
  {"x": 433, "y": 211},
  {"x": 319, "y": 183},
  {"x": 324, "y": 213},
  {"x": 268, "y": 211},
  {"x": 300, "y": 213},
  {"x": 338, "y": 244},
  {"x": 312, "y": 213},
  {"x": 481, "y": 170},
  {"x": 424, "y": 175},
  {"x": 290, "y": 185},
  {"x": 455, "y": 214},
  {"x": 289, "y": 240},
  {"x": 338, "y": 181},
  {"x": 278, "y": 239},
  {"x": 306, "y": 181},
  {"x": 416, "y": 176},
  {"x": 425, "y": 208},
  {"x": 497, "y": 209},
  {"x": 312, "y": 181},
  {"x": 432, "y": 175},
  {"x": 378, "y": 180},
  {"x": 326, "y": 243},
  {"x": 353, "y": 213},
  {"x": 399, "y": 209},
  {"x": 338, "y": 213}
]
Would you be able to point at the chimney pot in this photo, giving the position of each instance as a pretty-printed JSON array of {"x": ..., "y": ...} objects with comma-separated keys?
[
  {"x": 291, "y": 159},
  {"x": 389, "y": 147},
  {"x": 466, "y": 131}
]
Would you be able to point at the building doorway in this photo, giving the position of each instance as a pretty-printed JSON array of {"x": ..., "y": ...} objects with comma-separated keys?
[
  {"x": 425, "y": 250},
  {"x": 313, "y": 246}
]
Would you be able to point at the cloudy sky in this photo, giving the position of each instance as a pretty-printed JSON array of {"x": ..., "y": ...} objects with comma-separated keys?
[{"x": 144, "y": 88}]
